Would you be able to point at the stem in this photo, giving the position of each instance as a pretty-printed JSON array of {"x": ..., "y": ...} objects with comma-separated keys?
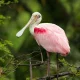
[{"x": 30, "y": 70}]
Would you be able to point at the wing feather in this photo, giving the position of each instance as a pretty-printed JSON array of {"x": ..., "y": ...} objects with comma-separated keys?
[{"x": 53, "y": 39}]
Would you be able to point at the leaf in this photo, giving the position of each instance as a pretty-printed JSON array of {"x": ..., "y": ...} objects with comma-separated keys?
[
  {"x": 1, "y": 59},
  {"x": 8, "y": 42}
]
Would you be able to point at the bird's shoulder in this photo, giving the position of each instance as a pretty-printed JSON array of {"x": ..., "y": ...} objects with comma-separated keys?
[{"x": 51, "y": 27}]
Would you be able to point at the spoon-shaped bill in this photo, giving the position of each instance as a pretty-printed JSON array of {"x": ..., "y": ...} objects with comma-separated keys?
[
  {"x": 23, "y": 29},
  {"x": 20, "y": 33}
]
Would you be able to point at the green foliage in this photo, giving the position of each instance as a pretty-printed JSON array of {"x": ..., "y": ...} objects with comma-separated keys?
[
  {"x": 27, "y": 78},
  {"x": 2, "y": 18},
  {"x": 2, "y": 2},
  {"x": 5, "y": 58},
  {"x": 4, "y": 46},
  {"x": 71, "y": 68},
  {"x": 3, "y": 78}
]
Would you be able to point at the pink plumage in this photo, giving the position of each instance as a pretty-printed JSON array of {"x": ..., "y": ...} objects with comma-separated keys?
[{"x": 52, "y": 38}]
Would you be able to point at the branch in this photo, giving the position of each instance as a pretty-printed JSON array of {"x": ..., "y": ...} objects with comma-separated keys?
[
  {"x": 30, "y": 69},
  {"x": 55, "y": 76},
  {"x": 37, "y": 64},
  {"x": 59, "y": 75}
]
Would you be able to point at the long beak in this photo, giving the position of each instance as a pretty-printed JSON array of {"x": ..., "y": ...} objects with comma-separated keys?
[{"x": 23, "y": 29}]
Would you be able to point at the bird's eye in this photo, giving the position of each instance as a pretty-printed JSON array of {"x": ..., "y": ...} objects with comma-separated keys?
[{"x": 38, "y": 16}]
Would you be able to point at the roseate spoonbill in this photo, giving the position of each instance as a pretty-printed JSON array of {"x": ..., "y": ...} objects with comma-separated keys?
[{"x": 50, "y": 36}]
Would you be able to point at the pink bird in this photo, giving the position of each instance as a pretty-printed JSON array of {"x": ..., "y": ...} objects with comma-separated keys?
[{"x": 50, "y": 36}]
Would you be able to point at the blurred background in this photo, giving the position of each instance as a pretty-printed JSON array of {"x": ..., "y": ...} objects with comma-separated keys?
[{"x": 14, "y": 52}]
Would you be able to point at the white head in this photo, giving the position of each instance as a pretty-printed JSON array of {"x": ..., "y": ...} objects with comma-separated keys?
[{"x": 35, "y": 19}]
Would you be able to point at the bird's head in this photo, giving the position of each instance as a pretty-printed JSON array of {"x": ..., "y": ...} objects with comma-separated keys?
[{"x": 35, "y": 19}]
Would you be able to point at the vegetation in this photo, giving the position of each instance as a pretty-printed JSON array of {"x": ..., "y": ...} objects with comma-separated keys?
[{"x": 15, "y": 53}]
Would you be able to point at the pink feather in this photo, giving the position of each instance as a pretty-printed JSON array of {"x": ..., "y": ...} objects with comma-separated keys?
[{"x": 52, "y": 38}]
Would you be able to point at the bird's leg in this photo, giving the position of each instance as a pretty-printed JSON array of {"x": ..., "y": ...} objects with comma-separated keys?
[
  {"x": 41, "y": 55},
  {"x": 48, "y": 64},
  {"x": 57, "y": 61}
]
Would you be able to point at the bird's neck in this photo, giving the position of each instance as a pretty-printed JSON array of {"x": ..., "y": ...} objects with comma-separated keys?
[{"x": 31, "y": 28}]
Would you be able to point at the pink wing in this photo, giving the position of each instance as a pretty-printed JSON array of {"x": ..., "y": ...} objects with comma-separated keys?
[{"x": 52, "y": 38}]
